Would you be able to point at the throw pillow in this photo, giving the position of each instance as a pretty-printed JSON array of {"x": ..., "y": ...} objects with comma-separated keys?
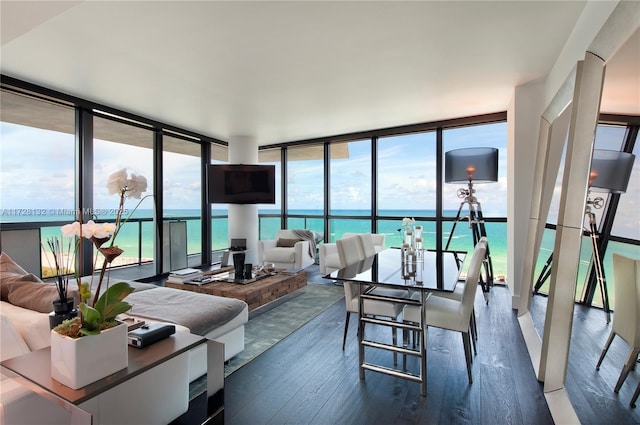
[
  {"x": 27, "y": 291},
  {"x": 287, "y": 243},
  {"x": 8, "y": 265}
]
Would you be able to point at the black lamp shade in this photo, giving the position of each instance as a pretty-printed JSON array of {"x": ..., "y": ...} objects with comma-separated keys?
[
  {"x": 479, "y": 165},
  {"x": 610, "y": 171}
]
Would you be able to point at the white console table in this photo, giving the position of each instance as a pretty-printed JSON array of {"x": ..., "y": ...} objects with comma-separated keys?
[{"x": 144, "y": 388}]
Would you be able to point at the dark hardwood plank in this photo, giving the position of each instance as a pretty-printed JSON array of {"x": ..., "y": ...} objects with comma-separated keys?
[
  {"x": 504, "y": 379},
  {"x": 307, "y": 378}
]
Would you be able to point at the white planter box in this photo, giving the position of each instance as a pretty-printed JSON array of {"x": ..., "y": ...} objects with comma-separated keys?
[{"x": 79, "y": 362}]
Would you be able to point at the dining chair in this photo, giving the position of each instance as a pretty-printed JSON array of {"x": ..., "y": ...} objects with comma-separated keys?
[
  {"x": 626, "y": 312},
  {"x": 454, "y": 314},
  {"x": 366, "y": 244},
  {"x": 350, "y": 252},
  {"x": 457, "y": 293}
]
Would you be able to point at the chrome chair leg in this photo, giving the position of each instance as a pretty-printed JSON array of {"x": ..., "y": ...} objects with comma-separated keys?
[{"x": 395, "y": 344}]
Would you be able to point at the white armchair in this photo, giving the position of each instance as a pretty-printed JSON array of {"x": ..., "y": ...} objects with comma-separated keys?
[{"x": 287, "y": 251}]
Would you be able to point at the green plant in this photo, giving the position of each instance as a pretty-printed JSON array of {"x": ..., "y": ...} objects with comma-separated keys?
[{"x": 101, "y": 316}]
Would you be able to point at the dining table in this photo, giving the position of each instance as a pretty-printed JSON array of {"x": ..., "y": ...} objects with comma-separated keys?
[{"x": 420, "y": 274}]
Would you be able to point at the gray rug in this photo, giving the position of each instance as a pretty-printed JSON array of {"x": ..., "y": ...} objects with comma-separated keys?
[{"x": 270, "y": 324}]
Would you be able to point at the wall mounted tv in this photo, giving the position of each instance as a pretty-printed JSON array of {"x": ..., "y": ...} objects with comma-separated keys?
[{"x": 242, "y": 184}]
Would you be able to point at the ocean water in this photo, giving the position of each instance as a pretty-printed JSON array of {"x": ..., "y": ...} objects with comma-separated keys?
[{"x": 136, "y": 237}]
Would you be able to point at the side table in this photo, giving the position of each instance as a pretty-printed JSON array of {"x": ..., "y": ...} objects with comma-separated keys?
[{"x": 122, "y": 389}]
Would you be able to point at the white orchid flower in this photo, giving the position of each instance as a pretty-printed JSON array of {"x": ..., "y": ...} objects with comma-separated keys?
[
  {"x": 135, "y": 186},
  {"x": 71, "y": 229},
  {"x": 408, "y": 221},
  {"x": 119, "y": 182},
  {"x": 92, "y": 229}
]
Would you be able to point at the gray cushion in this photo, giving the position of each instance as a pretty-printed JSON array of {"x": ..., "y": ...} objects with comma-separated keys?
[{"x": 287, "y": 243}]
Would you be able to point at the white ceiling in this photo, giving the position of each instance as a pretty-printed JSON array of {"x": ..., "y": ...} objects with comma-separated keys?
[{"x": 284, "y": 71}]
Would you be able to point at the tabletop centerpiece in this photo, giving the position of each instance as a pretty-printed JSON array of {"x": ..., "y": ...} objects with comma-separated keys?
[{"x": 408, "y": 239}]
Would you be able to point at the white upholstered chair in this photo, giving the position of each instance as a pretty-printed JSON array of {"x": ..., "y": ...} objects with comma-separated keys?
[
  {"x": 350, "y": 252},
  {"x": 626, "y": 312},
  {"x": 328, "y": 252},
  {"x": 287, "y": 251},
  {"x": 366, "y": 244},
  {"x": 453, "y": 314},
  {"x": 329, "y": 258},
  {"x": 378, "y": 239}
]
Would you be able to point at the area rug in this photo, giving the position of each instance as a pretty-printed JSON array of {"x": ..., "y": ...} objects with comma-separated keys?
[{"x": 270, "y": 324}]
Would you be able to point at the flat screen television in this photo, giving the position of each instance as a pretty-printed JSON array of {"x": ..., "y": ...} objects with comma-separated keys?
[{"x": 242, "y": 184}]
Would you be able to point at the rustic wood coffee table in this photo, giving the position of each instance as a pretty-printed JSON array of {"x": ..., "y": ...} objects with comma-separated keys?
[{"x": 255, "y": 294}]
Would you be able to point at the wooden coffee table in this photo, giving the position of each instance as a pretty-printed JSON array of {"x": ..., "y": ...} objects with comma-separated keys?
[{"x": 255, "y": 293}]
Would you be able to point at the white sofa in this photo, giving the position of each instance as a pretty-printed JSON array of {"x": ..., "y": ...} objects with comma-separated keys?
[
  {"x": 328, "y": 252},
  {"x": 25, "y": 327},
  {"x": 289, "y": 250}
]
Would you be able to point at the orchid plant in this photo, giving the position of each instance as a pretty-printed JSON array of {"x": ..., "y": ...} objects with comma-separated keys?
[
  {"x": 407, "y": 222},
  {"x": 100, "y": 313}
]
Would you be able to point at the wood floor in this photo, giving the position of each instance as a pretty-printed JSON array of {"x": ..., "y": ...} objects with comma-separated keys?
[{"x": 308, "y": 379}]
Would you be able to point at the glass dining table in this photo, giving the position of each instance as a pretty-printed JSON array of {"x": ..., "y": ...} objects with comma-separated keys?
[{"x": 420, "y": 275}]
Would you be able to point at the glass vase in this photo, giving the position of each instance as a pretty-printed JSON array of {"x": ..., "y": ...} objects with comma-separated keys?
[
  {"x": 409, "y": 238},
  {"x": 419, "y": 243}
]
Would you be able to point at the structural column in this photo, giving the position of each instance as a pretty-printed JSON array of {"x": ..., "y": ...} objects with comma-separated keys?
[{"x": 243, "y": 218}]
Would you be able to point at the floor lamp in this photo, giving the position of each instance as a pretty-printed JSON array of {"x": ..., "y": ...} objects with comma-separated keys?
[
  {"x": 610, "y": 173},
  {"x": 472, "y": 165}
]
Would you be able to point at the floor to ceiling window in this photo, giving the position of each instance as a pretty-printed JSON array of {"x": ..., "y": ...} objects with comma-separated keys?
[
  {"x": 374, "y": 179},
  {"x": 119, "y": 146},
  {"x": 407, "y": 184},
  {"x": 305, "y": 187},
  {"x": 219, "y": 212},
  {"x": 492, "y": 197},
  {"x": 270, "y": 215},
  {"x": 349, "y": 188},
  {"x": 37, "y": 166},
  {"x": 182, "y": 192}
]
